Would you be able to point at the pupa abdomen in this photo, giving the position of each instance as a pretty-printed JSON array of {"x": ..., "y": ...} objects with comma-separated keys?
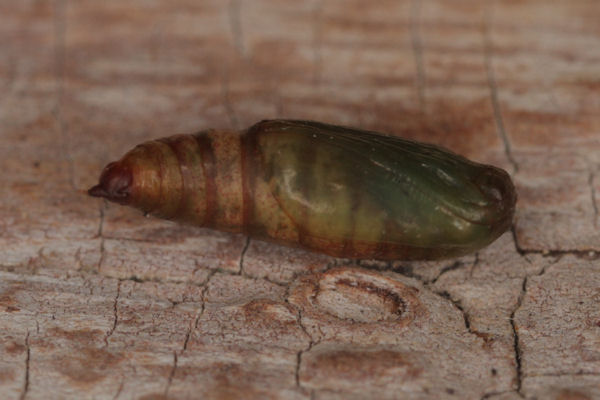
[{"x": 340, "y": 191}]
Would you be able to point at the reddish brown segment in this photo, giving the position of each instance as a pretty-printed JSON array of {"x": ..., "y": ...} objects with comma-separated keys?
[
  {"x": 208, "y": 168},
  {"x": 340, "y": 191}
]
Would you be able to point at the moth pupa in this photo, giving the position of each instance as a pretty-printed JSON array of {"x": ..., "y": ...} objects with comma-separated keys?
[{"x": 336, "y": 190}]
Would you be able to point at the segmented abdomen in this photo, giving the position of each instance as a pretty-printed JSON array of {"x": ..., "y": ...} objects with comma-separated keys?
[{"x": 341, "y": 191}]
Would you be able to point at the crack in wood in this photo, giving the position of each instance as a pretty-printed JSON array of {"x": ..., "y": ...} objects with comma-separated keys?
[
  {"x": 559, "y": 374},
  {"x": 192, "y": 326},
  {"x": 516, "y": 341},
  {"x": 171, "y": 375},
  {"x": 27, "y": 362},
  {"x": 590, "y": 254},
  {"x": 194, "y": 323},
  {"x": 428, "y": 285},
  {"x": 452, "y": 267},
  {"x": 456, "y": 303},
  {"x": 491, "y": 78},
  {"x": 299, "y": 355},
  {"x": 119, "y": 389},
  {"x": 518, "y": 352},
  {"x": 311, "y": 341},
  {"x": 188, "y": 334},
  {"x": 116, "y": 315},
  {"x": 591, "y": 179},
  {"x": 521, "y": 252},
  {"x": 243, "y": 253},
  {"x": 474, "y": 265}
]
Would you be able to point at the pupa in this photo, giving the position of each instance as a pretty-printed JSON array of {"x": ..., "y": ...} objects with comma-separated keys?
[{"x": 336, "y": 190}]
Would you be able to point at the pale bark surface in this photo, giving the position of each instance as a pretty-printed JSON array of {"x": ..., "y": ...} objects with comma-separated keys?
[{"x": 98, "y": 302}]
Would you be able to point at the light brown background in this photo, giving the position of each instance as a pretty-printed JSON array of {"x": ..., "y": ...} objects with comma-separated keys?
[{"x": 98, "y": 302}]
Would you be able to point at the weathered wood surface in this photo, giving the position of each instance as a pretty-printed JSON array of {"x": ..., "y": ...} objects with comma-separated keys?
[{"x": 98, "y": 302}]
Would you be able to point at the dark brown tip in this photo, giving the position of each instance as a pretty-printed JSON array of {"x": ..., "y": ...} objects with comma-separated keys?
[
  {"x": 97, "y": 191},
  {"x": 499, "y": 190},
  {"x": 115, "y": 184}
]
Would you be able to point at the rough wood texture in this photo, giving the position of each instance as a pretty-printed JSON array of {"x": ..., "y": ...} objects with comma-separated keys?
[{"x": 98, "y": 302}]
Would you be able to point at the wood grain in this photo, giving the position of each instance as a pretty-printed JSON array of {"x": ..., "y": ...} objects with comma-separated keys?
[{"x": 98, "y": 302}]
